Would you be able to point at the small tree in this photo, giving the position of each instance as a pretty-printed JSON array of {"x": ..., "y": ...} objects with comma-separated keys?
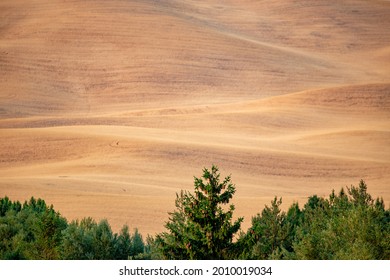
[
  {"x": 200, "y": 228},
  {"x": 123, "y": 244},
  {"x": 138, "y": 245},
  {"x": 270, "y": 235},
  {"x": 89, "y": 240}
]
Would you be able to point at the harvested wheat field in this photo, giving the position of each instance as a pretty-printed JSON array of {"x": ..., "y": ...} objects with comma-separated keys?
[{"x": 109, "y": 108}]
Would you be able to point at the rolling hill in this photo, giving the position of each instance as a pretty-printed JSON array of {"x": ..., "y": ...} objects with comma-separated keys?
[{"x": 108, "y": 108}]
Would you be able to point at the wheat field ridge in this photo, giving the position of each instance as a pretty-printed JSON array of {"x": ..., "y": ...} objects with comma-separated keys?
[{"x": 109, "y": 108}]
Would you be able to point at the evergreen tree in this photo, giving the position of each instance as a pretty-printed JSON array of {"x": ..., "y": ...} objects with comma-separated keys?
[
  {"x": 48, "y": 235},
  {"x": 123, "y": 246},
  {"x": 138, "y": 245},
  {"x": 200, "y": 228},
  {"x": 271, "y": 234},
  {"x": 31, "y": 231},
  {"x": 7, "y": 205},
  {"x": 345, "y": 226}
]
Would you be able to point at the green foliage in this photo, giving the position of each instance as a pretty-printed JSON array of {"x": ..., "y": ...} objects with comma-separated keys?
[
  {"x": 137, "y": 248},
  {"x": 35, "y": 231},
  {"x": 7, "y": 205},
  {"x": 272, "y": 233},
  {"x": 123, "y": 245},
  {"x": 347, "y": 225},
  {"x": 48, "y": 235},
  {"x": 88, "y": 240},
  {"x": 31, "y": 231},
  {"x": 200, "y": 228}
]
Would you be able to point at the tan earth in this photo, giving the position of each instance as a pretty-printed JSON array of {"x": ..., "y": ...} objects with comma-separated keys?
[{"x": 109, "y": 108}]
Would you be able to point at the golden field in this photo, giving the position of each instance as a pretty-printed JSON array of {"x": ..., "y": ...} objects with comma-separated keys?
[{"x": 109, "y": 108}]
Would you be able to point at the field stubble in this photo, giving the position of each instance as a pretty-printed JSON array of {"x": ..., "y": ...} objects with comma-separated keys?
[{"x": 108, "y": 109}]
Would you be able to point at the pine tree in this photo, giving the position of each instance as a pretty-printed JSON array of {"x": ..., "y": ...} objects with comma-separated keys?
[
  {"x": 200, "y": 228},
  {"x": 268, "y": 237},
  {"x": 138, "y": 245},
  {"x": 123, "y": 245}
]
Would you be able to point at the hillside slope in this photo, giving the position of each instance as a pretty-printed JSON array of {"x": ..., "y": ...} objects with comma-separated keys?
[{"x": 108, "y": 108}]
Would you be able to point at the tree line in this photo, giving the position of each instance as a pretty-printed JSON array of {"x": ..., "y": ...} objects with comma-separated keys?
[
  {"x": 349, "y": 224},
  {"x": 36, "y": 231}
]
